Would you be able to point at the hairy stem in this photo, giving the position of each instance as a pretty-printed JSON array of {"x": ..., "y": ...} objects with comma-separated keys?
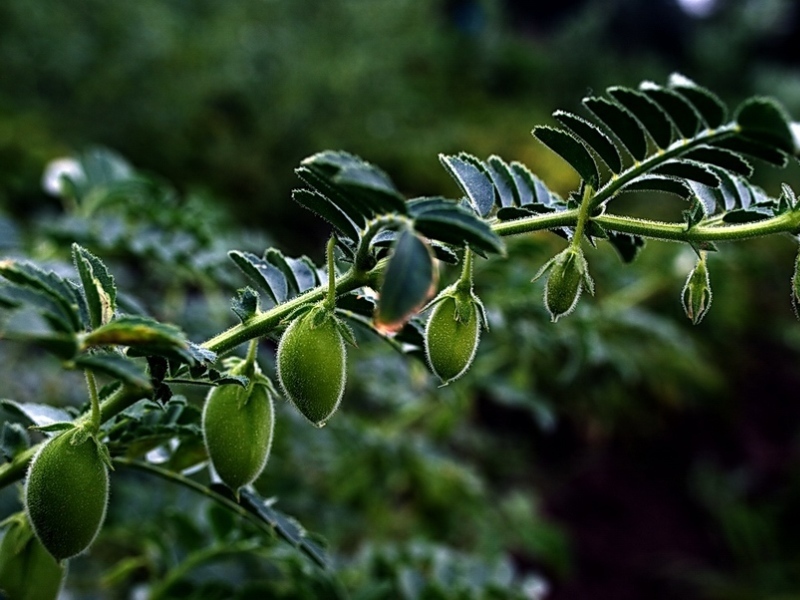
[
  {"x": 583, "y": 217},
  {"x": 330, "y": 300},
  {"x": 678, "y": 148},
  {"x": 91, "y": 384},
  {"x": 784, "y": 223}
]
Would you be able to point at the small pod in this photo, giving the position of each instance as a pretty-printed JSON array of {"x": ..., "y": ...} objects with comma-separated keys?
[
  {"x": 66, "y": 493},
  {"x": 451, "y": 336},
  {"x": 312, "y": 364},
  {"x": 27, "y": 570},
  {"x": 237, "y": 430},
  {"x": 568, "y": 277},
  {"x": 696, "y": 295}
]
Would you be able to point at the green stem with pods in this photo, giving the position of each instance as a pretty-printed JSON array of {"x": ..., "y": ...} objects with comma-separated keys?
[{"x": 358, "y": 276}]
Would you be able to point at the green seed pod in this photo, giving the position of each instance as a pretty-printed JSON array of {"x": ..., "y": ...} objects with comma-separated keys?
[
  {"x": 237, "y": 429},
  {"x": 66, "y": 493},
  {"x": 27, "y": 571},
  {"x": 451, "y": 336},
  {"x": 568, "y": 277},
  {"x": 696, "y": 295},
  {"x": 312, "y": 364}
]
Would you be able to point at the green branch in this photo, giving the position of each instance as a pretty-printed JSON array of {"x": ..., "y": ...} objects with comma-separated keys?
[
  {"x": 678, "y": 232},
  {"x": 679, "y": 148}
]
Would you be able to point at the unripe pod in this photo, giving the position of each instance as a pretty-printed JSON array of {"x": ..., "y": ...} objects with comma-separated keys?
[
  {"x": 27, "y": 571},
  {"x": 237, "y": 429},
  {"x": 568, "y": 277},
  {"x": 312, "y": 364},
  {"x": 696, "y": 296},
  {"x": 66, "y": 494},
  {"x": 451, "y": 337}
]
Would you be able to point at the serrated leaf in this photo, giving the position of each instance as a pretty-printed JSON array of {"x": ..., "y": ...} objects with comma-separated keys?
[
  {"x": 334, "y": 195},
  {"x": 659, "y": 183},
  {"x": 744, "y": 216},
  {"x": 765, "y": 121},
  {"x": 627, "y": 246},
  {"x": 42, "y": 303},
  {"x": 720, "y": 157},
  {"x": 443, "y": 253},
  {"x": 695, "y": 213},
  {"x": 533, "y": 185},
  {"x": 448, "y": 222},
  {"x": 63, "y": 345},
  {"x": 304, "y": 271},
  {"x": 409, "y": 281},
  {"x": 571, "y": 150},
  {"x": 517, "y": 212},
  {"x": 503, "y": 181},
  {"x": 593, "y": 137},
  {"x": 755, "y": 149},
  {"x": 55, "y": 427},
  {"x": 328, "y": 210},
  {"x": 276, "y": 258},
  {"x": 476, "y": 185},
  {"x": 347, "y": 333},
  {"x": 689, "y": 170},
  {"x": 139, "y": 332},
  {"x": 621, "y": 123},
  {"x": 117, "y": 367},
  {"x": 651, "y": 116},
  {"x": 29, "y": 276},
  {"x": 98, "y": 286},
  {"x": 369, "y": 188},
  {"x": 13, "y": 439},
  {"x": 265, "y": 275},
  {"x": 246, "y": 303},
  {"x": 681, "y": 112},
  {"x": 36, "y": 414},
  {"x": 705, "y": 102},
  {"x": 286, "y": 527}
]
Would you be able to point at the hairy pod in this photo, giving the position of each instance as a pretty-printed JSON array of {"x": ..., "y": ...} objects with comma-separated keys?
[
  {"x": 312, "y": 363},
  {"x": 696, "y": 295},
  {"x": 66, "y": 493},
  {"x": 568, "y": 277},
  {"x": 27, "y": 570},
  {"x": 451, "y": 336},
  {"x": 237, "y": 430}
]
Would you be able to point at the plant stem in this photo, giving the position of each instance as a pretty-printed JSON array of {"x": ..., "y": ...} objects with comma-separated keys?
[
  {"x": 564, "y": 218},
  {"x": 678, "y": 148},
  {"x": 583, "y": 217},
  {"x": 264, "y": 322},
  {"x": 91, "y": 383},
  {"x": 783, "y": 223},
  {"x": 465, "y": 280},
  {"x": 330, "y": 301}
]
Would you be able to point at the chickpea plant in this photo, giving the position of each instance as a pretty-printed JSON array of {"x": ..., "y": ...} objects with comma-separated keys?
[{"x": 383, "y": 259}]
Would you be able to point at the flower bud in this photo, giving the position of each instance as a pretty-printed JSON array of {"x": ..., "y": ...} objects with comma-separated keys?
[
  {"x": 568, "y": 277},
  {"x": 696, "y": 295}
]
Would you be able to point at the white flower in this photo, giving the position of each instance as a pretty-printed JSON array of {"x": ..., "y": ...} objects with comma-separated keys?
[{"x": 56, "y": 170}]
